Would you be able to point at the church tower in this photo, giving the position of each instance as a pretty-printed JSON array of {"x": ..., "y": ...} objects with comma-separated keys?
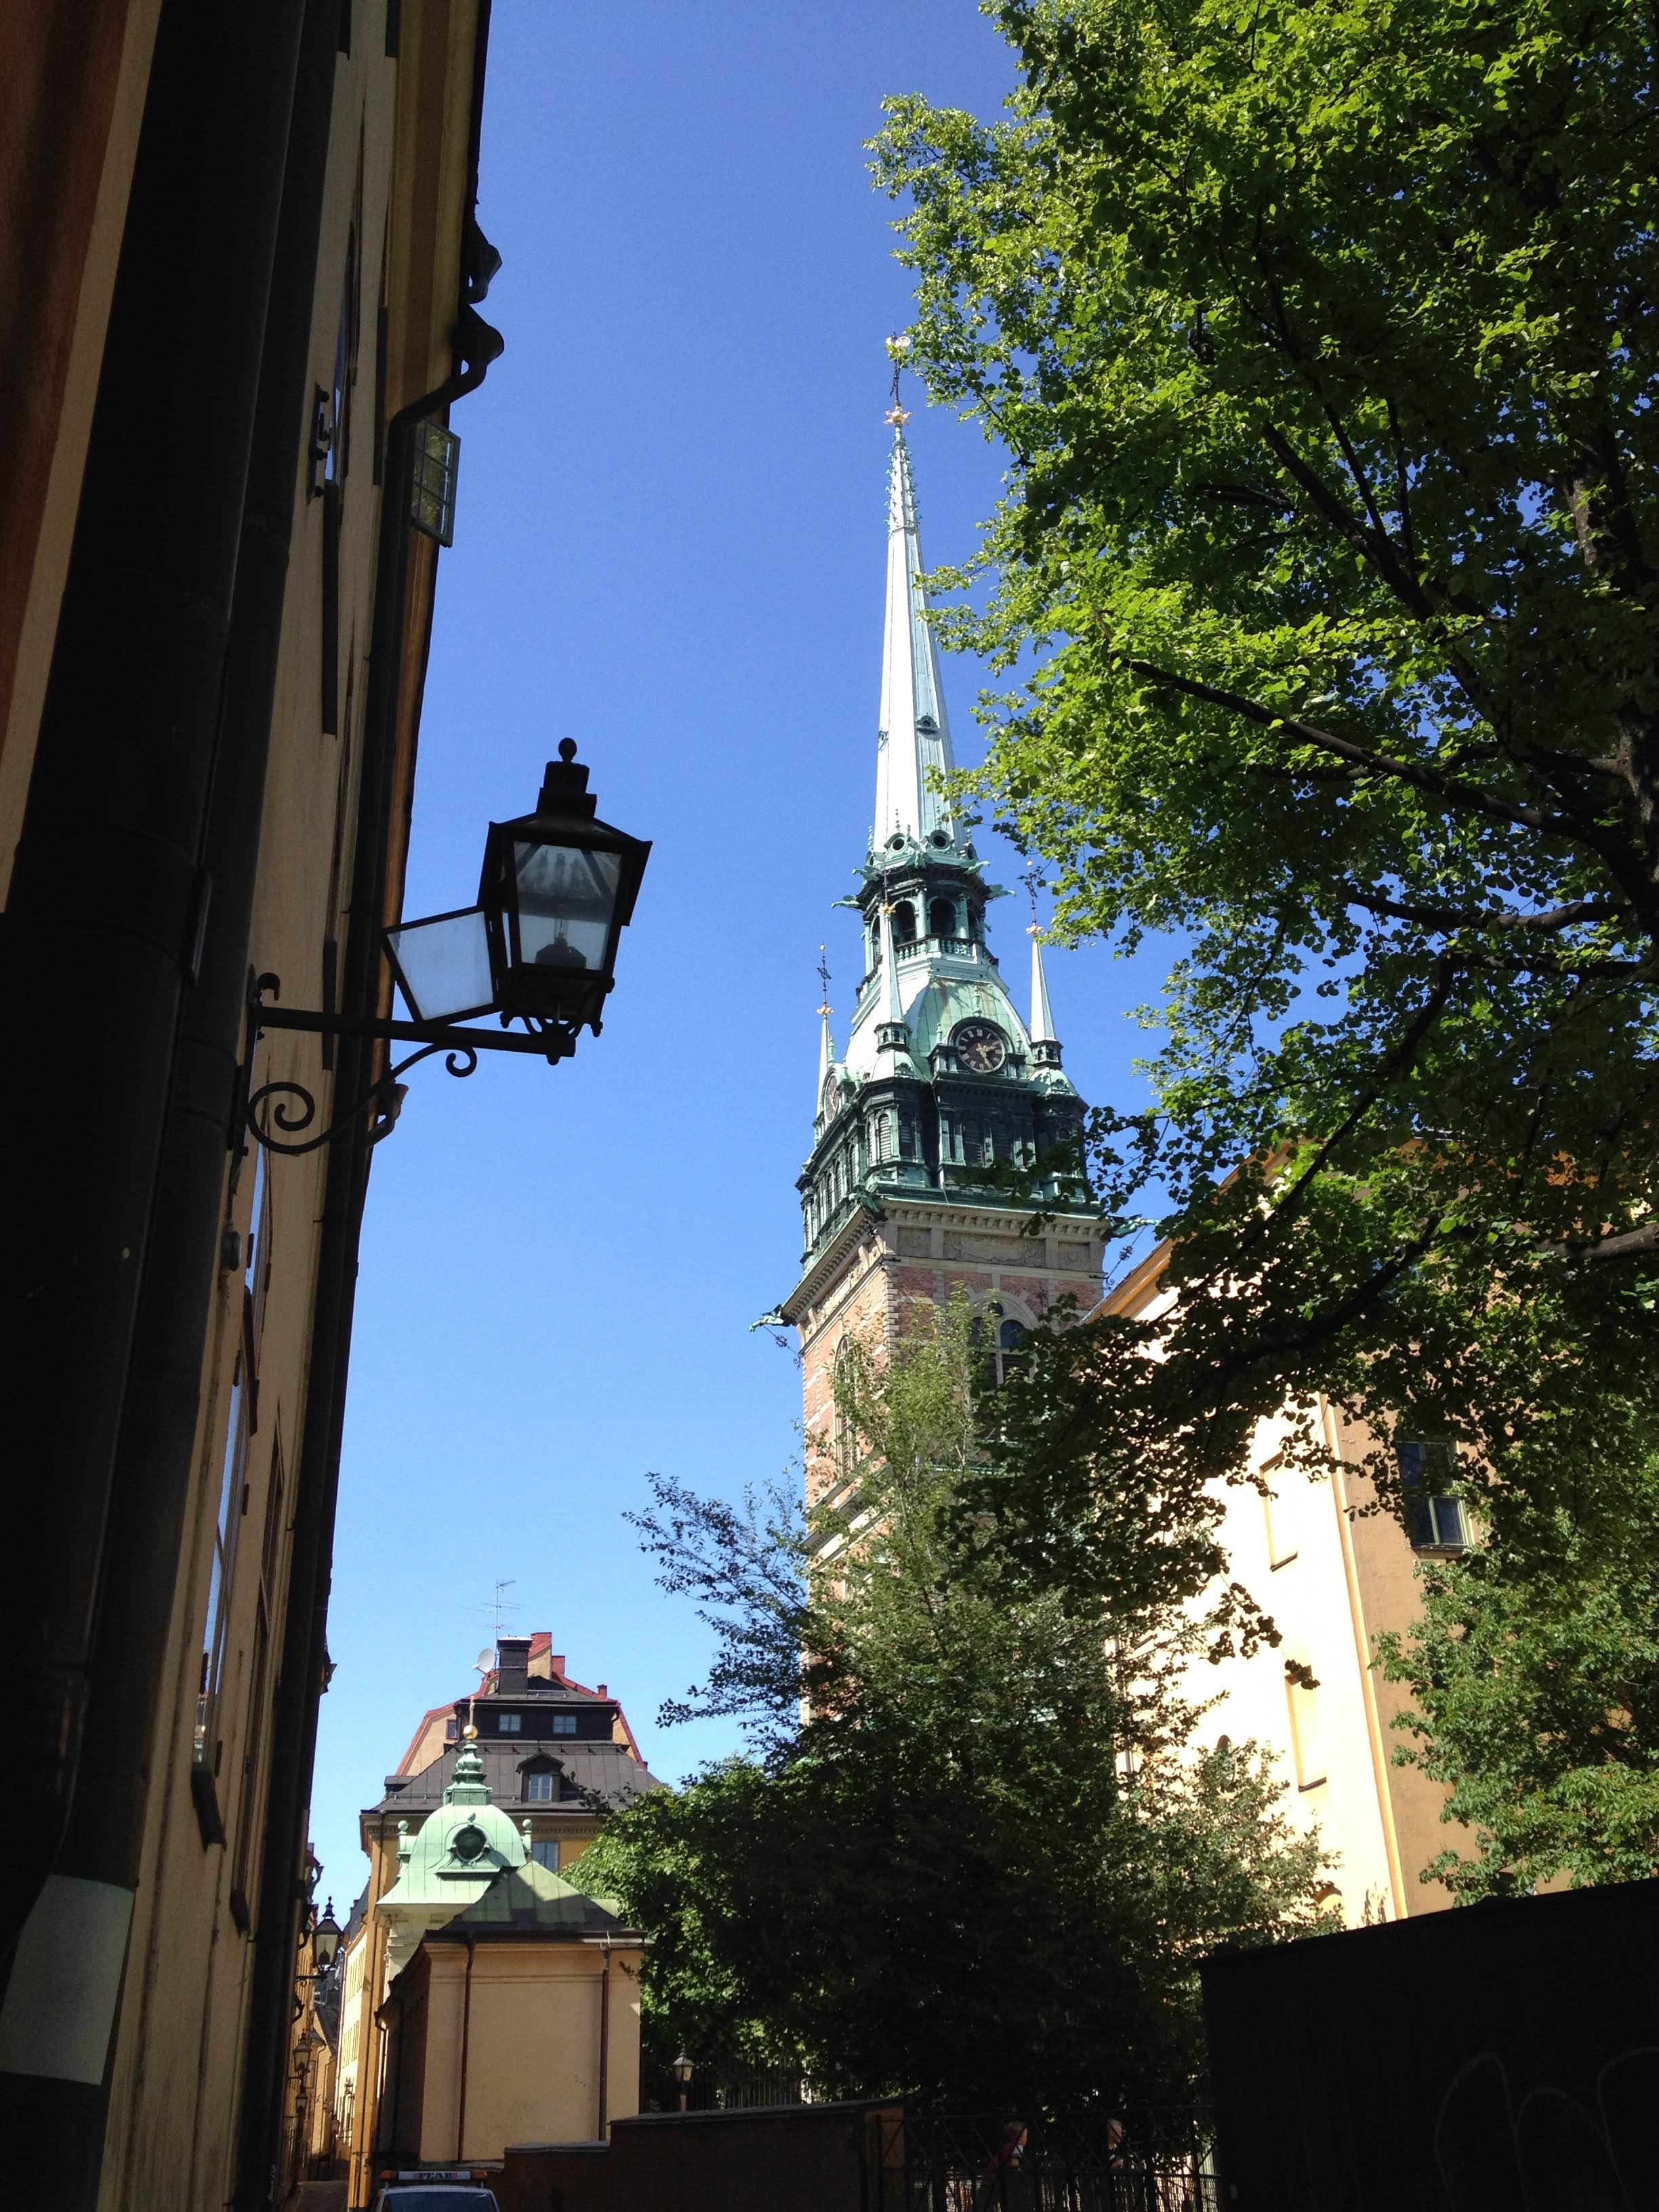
[{"x": 941, "y": 1076}]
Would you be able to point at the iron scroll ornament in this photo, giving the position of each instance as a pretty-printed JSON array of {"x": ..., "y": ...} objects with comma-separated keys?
[
  {"x": 275, "y": 1113},
  {"x": 268, "y": 1106}
]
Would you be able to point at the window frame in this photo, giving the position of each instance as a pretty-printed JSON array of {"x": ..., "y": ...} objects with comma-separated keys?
[{"x": 1436, "y": 1519}]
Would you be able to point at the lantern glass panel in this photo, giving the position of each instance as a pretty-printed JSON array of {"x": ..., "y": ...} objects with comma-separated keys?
[
  {"x": 442, "y": 965},
  {"x": 565, "y": 897}
]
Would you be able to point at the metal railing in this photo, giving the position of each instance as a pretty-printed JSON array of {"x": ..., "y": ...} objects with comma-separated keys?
[
  {"x": 1086, "y": 2162},
  {"x": 717, "y": 2091}
]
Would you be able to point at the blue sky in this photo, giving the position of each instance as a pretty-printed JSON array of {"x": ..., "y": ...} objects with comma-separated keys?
[{"x": 669, "y": 546}]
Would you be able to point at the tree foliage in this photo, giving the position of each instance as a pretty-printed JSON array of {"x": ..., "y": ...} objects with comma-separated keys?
[
  {"x": 977, "y": 1853},
  {"x": 1534, "y": 1675},
  {"x": 1319, "y": 340}
]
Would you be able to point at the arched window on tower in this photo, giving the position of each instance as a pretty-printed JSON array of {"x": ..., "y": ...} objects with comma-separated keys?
[
  {"x": 942, "y": 918},
  {"x": 999, "y": 1347},
  {"x": 904, "y": 923}
]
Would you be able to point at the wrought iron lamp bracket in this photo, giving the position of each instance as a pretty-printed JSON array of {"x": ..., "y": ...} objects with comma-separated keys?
[{"x": 276, "y": 1113}]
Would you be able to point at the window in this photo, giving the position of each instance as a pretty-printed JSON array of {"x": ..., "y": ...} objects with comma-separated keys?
[
  {"x": 564, "y": 1724},
  {"x": 244, "y": 1868},
  {"x": 452, "y": 1729},
  {"x": 509, "y": 1724},
  {"x": 999, "y": 1344},
  {"x": 1428, "y": 1483},
  {"x": 1307, "y": 1740},
  {"x": 538, "y": 1786},
  {"x": 942, "y": 918},
  {"x": 546, "y": 1855},
  {"x": 233, "y": 1499},
  {"x": 434, "y": 456},
  {"x": 904, "y": 923}
]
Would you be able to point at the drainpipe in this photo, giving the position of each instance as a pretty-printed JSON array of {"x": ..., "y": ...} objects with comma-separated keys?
[
  {"x": 466, "y": 2038},
  {"x": 601, "y": 2132},
  {"x": 303, "y": 1661}
]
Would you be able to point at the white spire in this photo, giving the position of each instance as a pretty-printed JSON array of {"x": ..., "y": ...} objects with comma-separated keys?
[
  {"x": 826, "y": 1053},
  {"x": 914, "y": 736},
  {"x": 1042, "y": 1020}
]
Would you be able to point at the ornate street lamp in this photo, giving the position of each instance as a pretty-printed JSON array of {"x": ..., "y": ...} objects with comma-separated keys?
[
  {"x": 539, "y": 948},
  {"x": 325, "y": 1939},
  {"x": 681, "y": 2069}
]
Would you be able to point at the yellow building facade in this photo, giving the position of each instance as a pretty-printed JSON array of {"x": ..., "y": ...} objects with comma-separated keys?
[
  {"x": 244, "y": 250},
  {"x": 552, "y": 1753},
  {"x": 1333, "y": 1573}
]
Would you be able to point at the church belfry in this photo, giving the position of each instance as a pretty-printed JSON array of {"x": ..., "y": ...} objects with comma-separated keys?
[{"x": 941, "y": 1078}]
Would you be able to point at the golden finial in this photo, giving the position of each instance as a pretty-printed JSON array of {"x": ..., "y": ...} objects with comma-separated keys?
[{"x": 470, "y": 1733}]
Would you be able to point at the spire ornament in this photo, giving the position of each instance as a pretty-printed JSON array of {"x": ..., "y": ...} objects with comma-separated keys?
[
  {"x": 826, "y": 1042},
  {"x": 898, "y": 346}
]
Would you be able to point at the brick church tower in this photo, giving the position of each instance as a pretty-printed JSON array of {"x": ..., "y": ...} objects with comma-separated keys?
[{"x": 940, "y": 1075}]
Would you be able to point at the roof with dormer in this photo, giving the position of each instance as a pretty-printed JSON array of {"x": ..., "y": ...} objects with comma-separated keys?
[
  {"x": 586, "y": 1771},
  {"x": 429, "y": 1733}
]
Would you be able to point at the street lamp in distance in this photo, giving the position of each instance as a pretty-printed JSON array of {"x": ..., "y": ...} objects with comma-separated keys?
[{"x": 681, "y": 2069}]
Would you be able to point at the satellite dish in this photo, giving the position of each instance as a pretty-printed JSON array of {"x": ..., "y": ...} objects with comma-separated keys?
[{"x": 485, "y": 1660}]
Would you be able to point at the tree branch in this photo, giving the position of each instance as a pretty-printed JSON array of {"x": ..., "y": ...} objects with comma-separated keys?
[
  {"x": 1428, "y": 780},
  {"x": 1625, "y": 1245},
  {"x": 1452, "y": 917}
]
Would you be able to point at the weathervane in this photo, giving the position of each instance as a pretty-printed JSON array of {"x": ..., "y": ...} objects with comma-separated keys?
[
  {"x": 824, "y": 978},
  {"x": 1032, "y": 880},
  {"x": 898, "y": 346}
]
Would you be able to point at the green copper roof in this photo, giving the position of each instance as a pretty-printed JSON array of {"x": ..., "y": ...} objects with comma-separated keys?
[
  {"x": 460, "y": 1849},
  {"x": 534, "y": 1897}
]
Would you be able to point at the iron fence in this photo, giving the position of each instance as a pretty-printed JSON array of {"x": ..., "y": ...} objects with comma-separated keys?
[
  {"x": 711, "y": 2090},
  {"x": 1083, "y": 2162}
]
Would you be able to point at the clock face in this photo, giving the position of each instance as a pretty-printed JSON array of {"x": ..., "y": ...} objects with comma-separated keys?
[{"x": 980, "y": 1048}]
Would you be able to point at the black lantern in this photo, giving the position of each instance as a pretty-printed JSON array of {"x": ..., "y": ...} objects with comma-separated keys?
[
  {"x": 557, "y": 889},
  {"x": 539, "y": 948},
  {"x": 325, "y": 1939}
]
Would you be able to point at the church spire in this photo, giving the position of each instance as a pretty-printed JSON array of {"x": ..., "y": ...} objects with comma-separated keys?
[
  {"x": 914, "y": 736},
  {"x": 1042, "y": 1020}
]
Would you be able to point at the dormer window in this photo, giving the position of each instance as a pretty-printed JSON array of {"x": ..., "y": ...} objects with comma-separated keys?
[
  {"x": 510, "y": 1724},
  {"x": 538, "y": 1786},
  {"x": 564, "y": 1724}
]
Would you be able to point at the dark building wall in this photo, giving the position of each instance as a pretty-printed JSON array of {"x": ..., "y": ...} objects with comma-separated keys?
[
  {"x": 824, "y": 2157},
  {"x": 1506, "y": 2055}
]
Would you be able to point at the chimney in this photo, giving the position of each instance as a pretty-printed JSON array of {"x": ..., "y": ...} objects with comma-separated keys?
[
  {"x": 512, "y": 1660},
  {"x": 604, "y": 1692}
]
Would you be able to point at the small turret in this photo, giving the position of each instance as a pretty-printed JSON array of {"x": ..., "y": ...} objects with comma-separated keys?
[{"x": 1045, "y": 1045}]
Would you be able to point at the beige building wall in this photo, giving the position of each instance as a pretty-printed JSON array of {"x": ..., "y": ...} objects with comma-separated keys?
[
  {"x": 1332, "y": 1573},
  {"x": 514, "y": 2031}
]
